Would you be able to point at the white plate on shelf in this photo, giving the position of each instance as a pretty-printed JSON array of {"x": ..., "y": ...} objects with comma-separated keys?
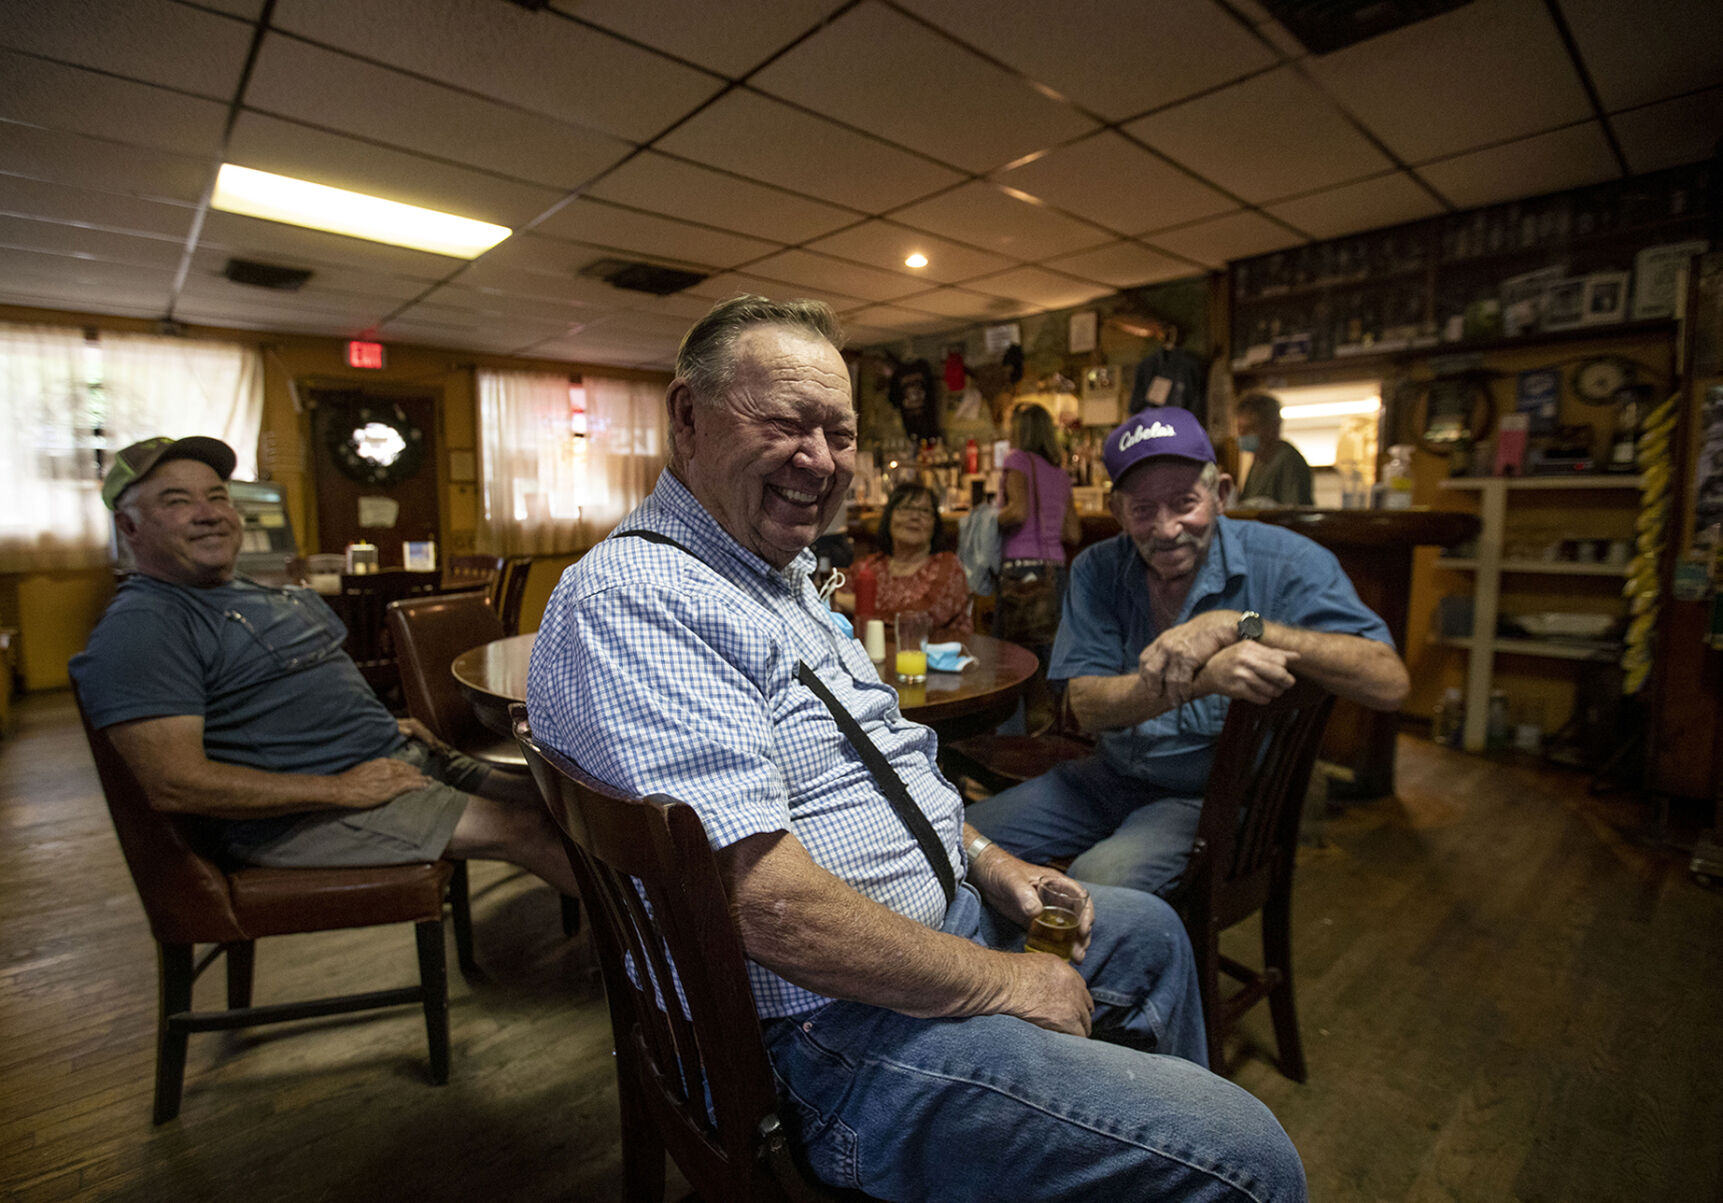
[{"x": 1558, "y": 625}]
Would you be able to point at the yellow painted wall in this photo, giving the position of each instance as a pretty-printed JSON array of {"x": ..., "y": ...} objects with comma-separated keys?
[{"x": 56, "y": 612}]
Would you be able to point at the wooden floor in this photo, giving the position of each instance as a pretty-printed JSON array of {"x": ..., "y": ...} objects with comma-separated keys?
[{"x": 1508, "y": 992}]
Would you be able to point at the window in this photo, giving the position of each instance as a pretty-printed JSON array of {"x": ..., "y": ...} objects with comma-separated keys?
[
  {"x": 561, "y": 461},
  {"x": 68, "y": 402}
]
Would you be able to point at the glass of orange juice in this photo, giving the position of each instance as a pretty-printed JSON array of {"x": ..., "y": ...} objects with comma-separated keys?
[{"x": 912, "y": 629}]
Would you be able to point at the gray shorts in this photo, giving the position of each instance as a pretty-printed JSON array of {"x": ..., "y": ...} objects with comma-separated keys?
[{"x": 414, "y": 826}]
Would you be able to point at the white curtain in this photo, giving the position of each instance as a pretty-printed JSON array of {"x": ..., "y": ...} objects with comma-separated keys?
[
  {"x": 562, "y": 461},
  {"x": 68, "y": 403}
]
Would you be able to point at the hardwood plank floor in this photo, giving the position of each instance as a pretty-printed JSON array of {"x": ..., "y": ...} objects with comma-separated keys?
[{"x": 1506, "y": 993}]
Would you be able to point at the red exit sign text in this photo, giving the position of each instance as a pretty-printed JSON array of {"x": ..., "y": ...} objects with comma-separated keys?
[{"x": 365, "y": 355}]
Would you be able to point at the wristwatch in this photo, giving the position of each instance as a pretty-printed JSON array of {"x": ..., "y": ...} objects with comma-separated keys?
[{"x": 1249, "y": 625}]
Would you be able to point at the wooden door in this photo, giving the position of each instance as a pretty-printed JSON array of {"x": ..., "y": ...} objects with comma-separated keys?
[{"x": 355, "y": 484}]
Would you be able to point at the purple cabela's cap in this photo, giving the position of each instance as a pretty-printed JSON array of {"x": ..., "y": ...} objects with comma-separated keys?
[{"x": 1154, "y": 432}]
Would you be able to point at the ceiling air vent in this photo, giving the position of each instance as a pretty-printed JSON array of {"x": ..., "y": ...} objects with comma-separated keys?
[
  {"x": 642, "y": 277},
  {"x": 1324, "y": 25},
  {"x": 265, "y": 275}
]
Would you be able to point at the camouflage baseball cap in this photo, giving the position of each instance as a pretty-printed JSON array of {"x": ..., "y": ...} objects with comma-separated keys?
[{"x": 140, "y": 459}]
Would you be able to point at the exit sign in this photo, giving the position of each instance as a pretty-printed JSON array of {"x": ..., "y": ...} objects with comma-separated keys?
[{"x": 365, "y": 355}]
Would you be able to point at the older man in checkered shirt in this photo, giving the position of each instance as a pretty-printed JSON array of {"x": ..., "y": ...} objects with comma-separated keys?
[{"x": 922, "y": 1052}]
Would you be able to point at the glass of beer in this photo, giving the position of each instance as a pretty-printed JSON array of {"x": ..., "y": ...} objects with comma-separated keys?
[
  {"x": 912, "y": 631},
  {"x": 1054, "y": 930}
]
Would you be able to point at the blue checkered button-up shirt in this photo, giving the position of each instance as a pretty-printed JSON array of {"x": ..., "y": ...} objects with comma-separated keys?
[{"x": 662, "y": 672}]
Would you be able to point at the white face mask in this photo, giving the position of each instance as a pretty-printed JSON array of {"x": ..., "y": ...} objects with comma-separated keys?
[{"x": 1248, "y": 443}]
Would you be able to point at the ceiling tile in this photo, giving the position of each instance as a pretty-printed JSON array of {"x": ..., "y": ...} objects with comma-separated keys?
[
  {"x": 607, "y": 225},
  {"x": 731, "y": 39},
  {"x": 766, "y": 140},
  {"x": 806, "y": 269},
  {"x": 1235, "y": 236},
  {"x": 1486, "y": 72},
  {"x": 981, "y": 215},
  {"x": 1035, "y": 286},
  {"x": 886, "y": 244},
  {"x": 555, "y": 280},
  {"x": 320, "y": 87},
  {"x": 730, "y": 284},
  {"x": 899, "y": 321},
  {"x": 1672, "y": 133},
  {"x": 295, "y": 246},
  {"x": 538, "y": 60},
  {"x": 920, "y": 90},
  {"x": 1113, "y": 181},
  {"x": 664, "y": 185},
  {"x": 1547, "y": 163},
  {"x": 224, "y": 303},
  {"x": 104, "y": 166},
  {"x": 1123, "y": 264},
  {"x": 1638, "y": 53},
  {"x": 156, "y": 41},
  {"x": 87, "y": 102},
  {"x": 270, "y": 144},
  {"x": 103, "y": 210},
  {"x": 1386, "y": 200},
  {"x": 347, "y": 281},
  {"x": 959, "y": 303},
  {"x": 37, "y": 234},
  {"x": 60, "y": 282},
  {"x": 684, "y": 305},
  {"x": 1267, "y": 137},
  {"x": 1115, "y": 57}
]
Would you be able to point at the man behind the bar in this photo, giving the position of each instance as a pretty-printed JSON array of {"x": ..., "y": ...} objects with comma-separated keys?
[
  {"x": 920, "y": 1052},
  {"x": 1164, "y": 625},
  {"x": 235, "y": 703}
]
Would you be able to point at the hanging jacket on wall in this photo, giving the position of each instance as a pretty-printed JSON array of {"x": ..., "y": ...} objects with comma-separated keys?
[{"x": 1172, "y": 376}]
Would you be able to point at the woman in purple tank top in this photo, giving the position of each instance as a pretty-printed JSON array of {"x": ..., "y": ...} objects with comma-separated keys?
[{"x": 1038, "y": 519}]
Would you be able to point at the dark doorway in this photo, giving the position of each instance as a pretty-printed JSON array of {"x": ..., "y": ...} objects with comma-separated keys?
[{"x": 372, "y": 449}]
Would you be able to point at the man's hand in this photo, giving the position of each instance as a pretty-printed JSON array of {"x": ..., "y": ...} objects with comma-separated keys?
[
  {"x": 1248, "y": 672},
  {"x": 1169, "y": 666},
  {"x": 412, "y": 728},
  {"x": 1048, "y": 993},
  {"x": 1012, "y": 887},
  {"x": 374, "y": 782}
]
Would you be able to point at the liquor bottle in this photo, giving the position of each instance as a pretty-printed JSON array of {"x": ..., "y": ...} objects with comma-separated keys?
[{"x": 867, "y": 593}]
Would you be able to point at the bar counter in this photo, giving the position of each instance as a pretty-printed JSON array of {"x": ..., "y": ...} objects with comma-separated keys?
[{"x": 1375, "y": 549}]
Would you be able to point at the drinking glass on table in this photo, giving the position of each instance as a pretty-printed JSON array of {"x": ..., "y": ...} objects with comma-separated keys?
[
  {"x": 1054, "y": 930},
  {"x": 913, "y": 627}
]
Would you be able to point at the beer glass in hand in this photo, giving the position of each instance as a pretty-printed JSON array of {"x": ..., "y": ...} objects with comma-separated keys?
[{"x": 1054, "y": 930}]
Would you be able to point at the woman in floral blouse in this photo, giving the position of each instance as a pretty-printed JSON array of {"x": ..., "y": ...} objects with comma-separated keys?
[{"x": 911, "y": 570}]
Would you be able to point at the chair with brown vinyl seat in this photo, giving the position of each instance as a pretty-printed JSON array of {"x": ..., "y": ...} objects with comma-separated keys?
[
  {"x": 471, "y": 572},
  {"x": 511, "y": 592},
  {"x": 1242, "y": 860},
  {"x": 671, "y": 1061},
  {"x": 427, "y": 633},
  {"x": 190, "y": 899}
]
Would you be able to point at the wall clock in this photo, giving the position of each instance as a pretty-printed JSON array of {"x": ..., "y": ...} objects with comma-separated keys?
[{"x": 1596, "y": 381}]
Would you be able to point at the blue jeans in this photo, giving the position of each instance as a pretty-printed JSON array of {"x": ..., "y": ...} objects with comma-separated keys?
[
  {"x": 1123, "y": 832},
  {"x": 994, "y": 1108}
]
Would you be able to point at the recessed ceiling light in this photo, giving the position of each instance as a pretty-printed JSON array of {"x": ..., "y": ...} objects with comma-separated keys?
[
  {"x": 916, "y": 260},
  {"x": 282, "y": 198}
]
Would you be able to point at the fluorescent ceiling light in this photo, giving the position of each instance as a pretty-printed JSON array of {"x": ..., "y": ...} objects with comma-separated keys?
[{"x": 320, "y": 207}]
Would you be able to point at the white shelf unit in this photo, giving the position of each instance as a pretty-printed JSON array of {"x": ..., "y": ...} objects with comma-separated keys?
[{"x": 1489, "y": 566}]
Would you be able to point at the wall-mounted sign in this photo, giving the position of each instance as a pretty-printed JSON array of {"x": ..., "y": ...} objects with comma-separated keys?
[{"x": 365, "y": 355}]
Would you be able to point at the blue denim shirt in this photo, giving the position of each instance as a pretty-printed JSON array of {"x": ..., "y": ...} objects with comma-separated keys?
[{"x": 1108, "y": 622}]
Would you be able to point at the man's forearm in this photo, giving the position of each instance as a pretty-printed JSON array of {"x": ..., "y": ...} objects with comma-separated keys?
[
  {"x": 1113, "y": 703},
  {"x": 1348, "y": 666},
  {"x": 230, "y": 791},
  {"x": 810, "y": 928}
]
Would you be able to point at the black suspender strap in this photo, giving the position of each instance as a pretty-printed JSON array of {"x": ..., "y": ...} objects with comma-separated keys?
[{"x": 890, "y": 784}]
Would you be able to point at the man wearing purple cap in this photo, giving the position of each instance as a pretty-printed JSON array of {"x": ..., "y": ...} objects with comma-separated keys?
[
  {"x": 234, "y": 701},
  {"x": 1165, "y": 624}
]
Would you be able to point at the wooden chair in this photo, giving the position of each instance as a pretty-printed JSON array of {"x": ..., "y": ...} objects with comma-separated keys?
[
  {"x": 427, "y": 634},
  {"x": 471, "y": 572},
  {"x": 998, "y": 762},
  {"x": 363, "y": 607},
  {"x": 1242, "y": 860},
  {"x": 511, "y": 592},
  {"x": 670, "y": 1061},
  {"x": 190, "y": 899}
]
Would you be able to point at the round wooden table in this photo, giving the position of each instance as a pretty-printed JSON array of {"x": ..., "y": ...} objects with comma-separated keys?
[{"x": 492, "y": 676}]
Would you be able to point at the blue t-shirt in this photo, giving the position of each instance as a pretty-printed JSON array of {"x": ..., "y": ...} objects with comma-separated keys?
[
  {"x": 262, "y": 666},
  {"x": 1108, "y": 622}
]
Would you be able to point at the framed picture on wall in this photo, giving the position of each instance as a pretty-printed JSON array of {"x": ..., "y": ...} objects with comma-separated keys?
[
  {"x": 1082, "y": 331},
  {"x": 1564, "y": 303},
  {"x": 1605, "y": 298}
]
